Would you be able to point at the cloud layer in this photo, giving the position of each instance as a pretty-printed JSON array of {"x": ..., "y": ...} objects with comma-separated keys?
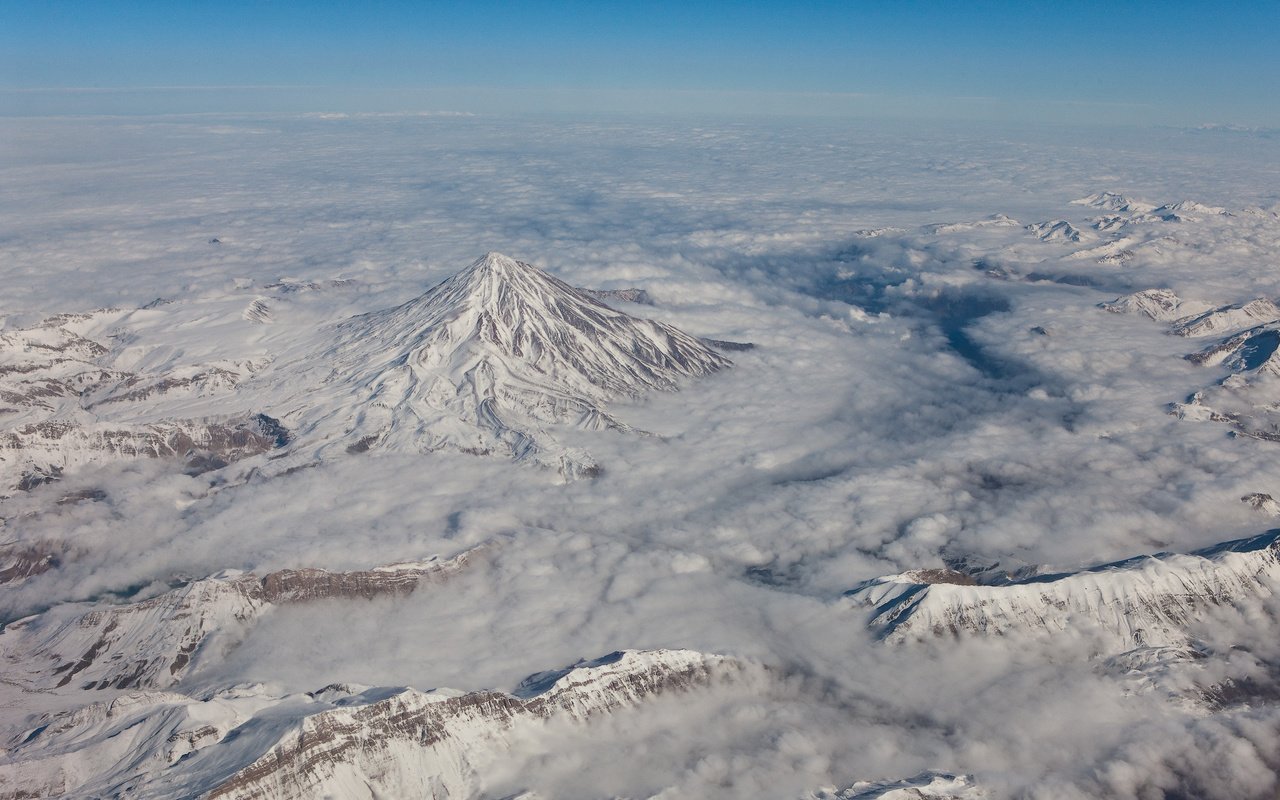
[{"x": 938, "y": 392}]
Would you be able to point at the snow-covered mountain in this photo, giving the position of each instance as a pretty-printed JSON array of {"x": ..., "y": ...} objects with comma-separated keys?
[
  {"x": 340, "y": 741},
  {"x": 1142, "y": 601},
  {"x": 152, "y": 644},
  {"x": 637, "y": 296},
  {"x": 1162, "y": 305},
  {"x": 993, "y": 221},
  {"x": 1111, "y": 201},
  {"x": 861, "y": 436},
  {"x": 66, "y": 401},
  {"x": 1058, "y": 230},
  {"x": 429, "y": 744},
  {"x": 484, "y": 363},
  {"x": 486, "y": 360},
  {"x": 1228, "y": 318},
  {"x": 1185, "y": 211},
  {"x": 1244, "y": 398},
  {"x": 925, "y": 786},
  {"x": 1252, "y": 350}
]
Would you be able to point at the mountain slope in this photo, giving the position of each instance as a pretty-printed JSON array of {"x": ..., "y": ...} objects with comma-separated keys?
[
  {"x": 339, "y": 741},
  {"x": 485, "y": 359},
  {"x": 1228, "y": 318},
  {"x": 415, "y": 744},
  {"x": 64, "y": 403},
  {"x": 1161, "y": 305},
  {"x": 154, "y": 642},
  {"x": 1142, "y": 601}
]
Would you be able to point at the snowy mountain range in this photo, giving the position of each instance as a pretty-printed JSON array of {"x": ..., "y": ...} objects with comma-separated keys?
[
  {"x": 338, "y": 741},
  {"x": 1248, "y": 335},
  {"x": 486, "y": 363},
  {"x": 1139, "y": 602},
  {"x": 151, "y": 644}
]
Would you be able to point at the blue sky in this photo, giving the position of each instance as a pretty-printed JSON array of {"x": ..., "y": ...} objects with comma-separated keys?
[{"x": 1175, "y": 62}]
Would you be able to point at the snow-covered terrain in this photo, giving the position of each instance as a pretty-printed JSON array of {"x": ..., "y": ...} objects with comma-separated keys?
[
  {"x": 1139, "y": 602},
  {"x": 480, "y": 364},
  {"x": 843, "y": 451},
  {"x": 152, "y": 643},
  {"x": 338, "y": 741}
]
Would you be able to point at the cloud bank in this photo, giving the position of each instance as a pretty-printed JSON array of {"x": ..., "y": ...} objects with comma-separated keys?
[{"x": 933, "y": 386}]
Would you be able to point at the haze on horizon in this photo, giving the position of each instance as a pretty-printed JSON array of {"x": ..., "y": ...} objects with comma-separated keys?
[{"x": 1178, "y": 63}]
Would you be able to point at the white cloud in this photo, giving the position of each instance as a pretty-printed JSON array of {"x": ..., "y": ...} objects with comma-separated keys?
[{"x": 927, "y": 420}]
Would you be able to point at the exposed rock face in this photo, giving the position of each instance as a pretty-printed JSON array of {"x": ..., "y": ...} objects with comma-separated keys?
[
  {"x": 1162, "y": 305},
  {"x": 1057, "y": 230},
  {"x": 925, "y": 786},
  {"x": 19, "y": 562},
  {"x": 41, "y": 366},
  {"x": 1253, "y": 350},
  {"x": 1262, "y": 502},
  {"x": 427, "y": 745},
  {"x": 258, "y": 311},
  {"x": 483, "y": 360},
  {"x": 42, "y": 450},
  {"x": 302, "y": 585},
  {"x": 1228, "y": 318},
  {"x": 152, "y": 643},
  {"x": 341, "y": 741},
  {"x": 1142, "y": 601},
  {"x": 291, "y": 286},
  {"x": 63, "y": 404}
]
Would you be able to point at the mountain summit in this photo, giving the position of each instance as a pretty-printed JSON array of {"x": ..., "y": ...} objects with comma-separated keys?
[
  {"x": 482, "y": 360},
  {"x": 500, "y": 309}
]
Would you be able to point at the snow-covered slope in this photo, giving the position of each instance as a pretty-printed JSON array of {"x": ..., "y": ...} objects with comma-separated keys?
[
  {"x": 925, "y": 786},
  {"x": 1185, "y": 211},
  {"x": 1245, "y": 398},
  {"x": 993, "y": 221},
  {"x": 1162, "y": 305},
  {"x": 1253, "y": 350},
  {"x": 486, "y": 359},
  {"x": 1229, "y": 318},
  {"x": 153, "y": 643},
  {"x": 1058, "y": 230},
  {"x": 1111, "y": 201},
  {"x": 1249, "y": 350},
  {"x": 1142, "y": 601},
  {"x": 341, "y": 741},
  {"x": 428, "y": 745},
  {"x": 482, "y": 363},
  {"x": 66, "y": 402}
]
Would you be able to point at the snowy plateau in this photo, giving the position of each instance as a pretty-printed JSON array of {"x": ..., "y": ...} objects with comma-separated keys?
[{"x": 454, "y": 457}]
